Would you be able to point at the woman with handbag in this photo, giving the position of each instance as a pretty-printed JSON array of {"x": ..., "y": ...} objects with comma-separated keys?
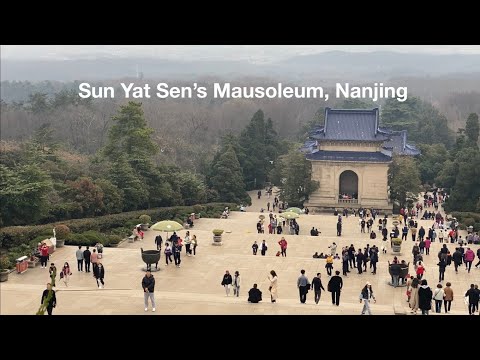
[
  {"x": 273, "y": 286},
  {"x": 236, "y": 284},
  {"x": 65, "y": 273},
  {"x": 99, "y": 273}
]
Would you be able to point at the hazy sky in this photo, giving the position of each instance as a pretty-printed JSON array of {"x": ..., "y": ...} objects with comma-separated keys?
[{"x": 252, "y": 53}]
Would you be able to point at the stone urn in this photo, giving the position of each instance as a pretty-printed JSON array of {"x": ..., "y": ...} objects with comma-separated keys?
[
  {"x": 60, "y": 243},
  {"x": 217, "y": 237}
]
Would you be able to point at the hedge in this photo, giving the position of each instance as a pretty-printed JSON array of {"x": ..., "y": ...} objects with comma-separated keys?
[
  {"x": 467, "y": 219},
  {"x": 15, "y": 235}
]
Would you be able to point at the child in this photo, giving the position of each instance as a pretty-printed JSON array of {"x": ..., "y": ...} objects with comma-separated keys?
[
  {"x": 168, "y": 253},
  {"x": 255, "y": 248}
]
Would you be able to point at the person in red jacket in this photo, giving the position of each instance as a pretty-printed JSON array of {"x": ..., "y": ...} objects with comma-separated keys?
[
  {"x": 420, "y": 270},
  {"x": 283, "y": 246},
  {"x": 469, "y": 257},
  {"x": 44, "y": 256},
  {"x": 428, "y": 242}
]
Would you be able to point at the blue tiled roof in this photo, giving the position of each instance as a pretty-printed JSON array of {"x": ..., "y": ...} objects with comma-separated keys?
[
  {"x": 398, "y": 144},
  {"x": 349, "y": 156},
  {"x": 350, "y": 124}
]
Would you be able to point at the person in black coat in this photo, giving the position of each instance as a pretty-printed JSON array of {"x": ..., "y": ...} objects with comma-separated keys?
[
  {"x": 335, "y": 287},
  {"x": 86, "y": 257},
  {"x": 339, "y": 228},
  {"x": 442, "y": 265},
  {"x": 254, "y": 295},
  {"x": 53, "y": 300},
  {"x": 227, "y": 282},
  {"x": 360, "y": 259},
  {"x": 159, "y": 242},
  {"x": 457, "y": 259},
  {"x": 473, "y": 299},
  {"x": 148, "y": 285},
  {"x": 425, "y": 295},
  {"x": 317, "y": 287},
  {"x": 99, "y": 273}
]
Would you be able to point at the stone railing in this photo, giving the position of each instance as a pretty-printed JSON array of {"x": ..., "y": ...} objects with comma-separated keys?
[{"x": 348, "y": 201}]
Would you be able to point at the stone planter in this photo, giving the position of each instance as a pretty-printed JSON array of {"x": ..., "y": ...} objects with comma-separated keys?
[
  {"x": 60, "y": 243},
  {"x": 396, "y": 248},
  {"x": 144, "y": 227},
  {"x": 114, "y": 245},
  {"x": 217, "y": 240},
  {"x": 4, "y": 275}
]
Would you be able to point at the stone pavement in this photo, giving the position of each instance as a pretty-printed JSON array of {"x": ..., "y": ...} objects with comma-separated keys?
[{"x": 195, "y": 288}]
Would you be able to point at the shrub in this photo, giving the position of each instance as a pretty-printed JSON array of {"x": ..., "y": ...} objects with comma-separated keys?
[
  {"x": 468, "y": 221},
  {"x": 396, "y": 241},
  {"x": 15, "y": 235},
  {"x": 217, "y": 232},
  {"x": 62, "y": 231},
  {"x": 145, "y": 219},
  {"x": 5, "y": 263},
  {"x": 114, "y": 239},
  {"x": 476, "y": 226}
]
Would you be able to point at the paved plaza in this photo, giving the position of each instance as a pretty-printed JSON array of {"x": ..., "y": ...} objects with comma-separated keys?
[{"x": 194, "y": 288}]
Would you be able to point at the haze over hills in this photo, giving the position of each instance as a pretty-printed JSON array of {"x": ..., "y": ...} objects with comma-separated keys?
[{"x": 374, "y": 66}]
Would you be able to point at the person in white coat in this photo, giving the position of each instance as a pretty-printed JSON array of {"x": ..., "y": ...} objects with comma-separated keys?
[{"x": 273, "y": 288}]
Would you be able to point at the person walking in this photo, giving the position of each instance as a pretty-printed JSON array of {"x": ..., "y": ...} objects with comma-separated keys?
[
  {"x": 53, "y": 273},
  {"x": 168, "y": 253},
  {"x": 413, "y": 302},
  {"x": 365, "y": 295},
  {"x": 448, "y": 298},
  {"x": 52, "y": 302},
  {"x": 442, "y": 265},
  {"x": 273, "y": 288},
  {"x": 428, "y": 243},
  {"x": 425, "y": 296},
  {"x": 303, "y": 284},
  {"x": 283, "y": 247},
  {"x": 264, "y": 248},
  {"x": 329, "y": 265},
  {"x": 99, "y": 274},
  {"x": 148, "y": 285},
  {"x": 438, "y": 296},
  {"x": 317, "y": 287},
  {"x": 236, "y": 284},
  {"x": 86, "y": 257},
  {"x": 345, "y": 263},
  {"x": 335, "y": 287},
  {"x": 158, "y": 242},
  {"x": 188, "y": 244},
  {"x": 65, "y": 273},
  {"x": 374, "y": 259},
  {"x": 94, "y": 259},
  {"x": 79, "y": 256},
  {"x": 227, "y": 282},
  {"x": 420, "y": 270},
  {"x": 177, "y": 252},
  {"x": 359, "y": 258},
  {"x": 473, "y": 298},
  {"x": 255, "y": 247},
  {"x": 194, "y": 244},
  {"x": 469, "y": 257},
  {"x": 44, "y": 255}
]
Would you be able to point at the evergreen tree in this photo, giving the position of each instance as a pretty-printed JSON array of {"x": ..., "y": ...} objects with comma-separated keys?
[
  {"x": 23, "y": 194},
  {"x": 227, "y": 178},
  {"x": 293, "y": 175},
  {"x": 404, "y": 181},
  {"x": 472, "y": 128},
  {"x": 123, "y": 176}
]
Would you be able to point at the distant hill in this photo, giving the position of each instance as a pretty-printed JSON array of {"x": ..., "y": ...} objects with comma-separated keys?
[{"x": 335, "y": 64}]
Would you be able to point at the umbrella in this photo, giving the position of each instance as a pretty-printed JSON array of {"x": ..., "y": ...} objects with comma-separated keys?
[
  {"x": 296, "y": 210},
  {"x": 261, "y": 217},
  {"x": 289, "y": 215},
  {"x": 167, "y": 226}
]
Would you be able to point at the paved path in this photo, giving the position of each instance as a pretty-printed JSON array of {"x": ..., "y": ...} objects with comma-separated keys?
[{"x": 195, "y": 288}]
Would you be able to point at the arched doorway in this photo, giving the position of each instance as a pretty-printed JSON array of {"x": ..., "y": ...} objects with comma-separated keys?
[{"x": 348, "y": 185}]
